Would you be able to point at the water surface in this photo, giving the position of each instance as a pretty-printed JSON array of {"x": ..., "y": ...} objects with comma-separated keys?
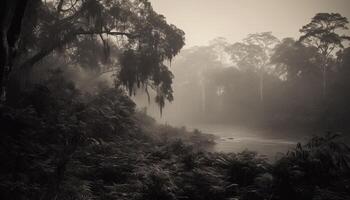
[{"x": 236, "y": 139}]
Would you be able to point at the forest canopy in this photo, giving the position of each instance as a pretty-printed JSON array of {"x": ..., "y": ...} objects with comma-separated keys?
[
  {"x": 128, "y": 37},
  {"x": 265, "y": 81}
]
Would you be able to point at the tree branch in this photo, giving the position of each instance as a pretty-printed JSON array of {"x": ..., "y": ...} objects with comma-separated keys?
[
  {"x": 46, "y": 51},
  {"x": 59, "y": 6},
  {"x": 115, "y": 33}
]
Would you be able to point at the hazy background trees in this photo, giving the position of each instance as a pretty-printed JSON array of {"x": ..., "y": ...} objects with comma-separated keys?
[{"x": 265, "y": 81}]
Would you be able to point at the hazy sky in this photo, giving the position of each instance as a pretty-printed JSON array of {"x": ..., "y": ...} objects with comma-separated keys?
[{"x": 204, "y": 20}]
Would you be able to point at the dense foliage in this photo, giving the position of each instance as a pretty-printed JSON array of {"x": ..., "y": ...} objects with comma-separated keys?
[
  {"x": 124, "y": 36},
  {"x": 61, "y": 143}
]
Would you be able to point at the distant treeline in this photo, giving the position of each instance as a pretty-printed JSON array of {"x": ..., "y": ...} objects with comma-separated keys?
[{"x": 266, "y": 81}]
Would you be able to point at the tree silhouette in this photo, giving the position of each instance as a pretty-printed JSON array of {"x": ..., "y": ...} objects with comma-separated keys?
[
  {"x": 132, "y": 28},
  {"x": 266, "y": 41},
  {"x": 254, "y": 54},
  {"x": 321, "y": 33},
  {"x": 295, "y": 61}
]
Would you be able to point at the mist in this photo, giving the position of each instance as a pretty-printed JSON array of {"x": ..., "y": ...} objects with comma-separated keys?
[{"x": 173, "y": 100}]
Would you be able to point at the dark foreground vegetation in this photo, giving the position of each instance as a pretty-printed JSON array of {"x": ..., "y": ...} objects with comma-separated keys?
[{"x": 70, "y": 145}]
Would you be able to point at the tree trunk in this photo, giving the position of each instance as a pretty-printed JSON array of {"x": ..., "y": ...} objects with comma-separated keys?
[
  {"x": 261, "y": 85},
  {"x": 3, "y": 63},
  {"x": 324, "y": 66},
  {"x": 6, "y": 14},
  {"x": 324, "y": 80},
  {"x": 11, "y": 15}
]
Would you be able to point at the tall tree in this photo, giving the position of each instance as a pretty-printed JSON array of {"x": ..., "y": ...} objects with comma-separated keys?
[
  {"x": 254, "y": 54},
  {"x": 295, "y": 61},
  {"x": 322, "y": 33},
  {"x": 266, "y": 41}
]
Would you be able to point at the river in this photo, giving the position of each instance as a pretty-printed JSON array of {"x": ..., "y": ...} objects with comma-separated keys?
[{"x": 266, "y": 142}]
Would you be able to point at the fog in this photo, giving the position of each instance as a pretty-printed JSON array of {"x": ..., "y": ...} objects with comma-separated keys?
[{"x": 279, "y": 92}]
